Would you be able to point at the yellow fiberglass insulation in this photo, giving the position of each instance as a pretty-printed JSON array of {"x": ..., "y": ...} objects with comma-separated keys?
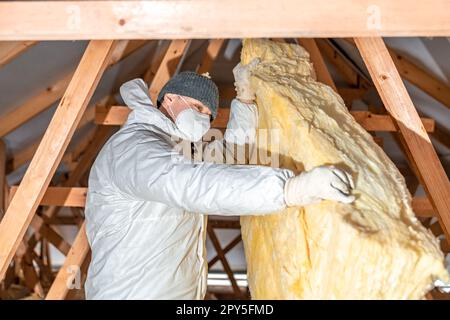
[{"x": 374, "y": 248}]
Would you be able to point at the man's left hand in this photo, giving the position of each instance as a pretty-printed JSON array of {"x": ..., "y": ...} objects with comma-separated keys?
[{"x": 242, "y": 81}]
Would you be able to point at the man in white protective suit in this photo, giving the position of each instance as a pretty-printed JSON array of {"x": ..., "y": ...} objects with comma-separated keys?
[{"x": 147, "y": 204}]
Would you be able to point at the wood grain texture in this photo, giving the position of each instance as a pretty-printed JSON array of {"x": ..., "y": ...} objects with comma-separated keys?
[
  {"x": 117, "y": 115},
  {"x": 168, "y": 66},
  {"x": 398, "y": 103},
  {"x": 72, "y": 265},
  {"x": 50, "y": 151},
  {"x": 46, "y": 98},
  {"x": 221, "y": 19}
]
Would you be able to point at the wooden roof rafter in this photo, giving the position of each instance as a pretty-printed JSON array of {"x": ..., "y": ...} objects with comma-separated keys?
[
  {"x": 75, "y": 20},
  {"x": 76, "y": 197},
  {"x": 50, "y": 151},
  {"x": 10, "y": 50},
  {"x": 45, "y": 99},
  {"x": 116, "y": 115},
  {"x": 399, "y": 105},
  {"x": 42, "y": 101},
  {"x": 168, "y": 66},
  {"x": 322, "y": 73}
]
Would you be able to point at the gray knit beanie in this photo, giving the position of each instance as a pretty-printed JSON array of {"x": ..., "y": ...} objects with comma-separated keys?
[{"x": 193, "y": 85}]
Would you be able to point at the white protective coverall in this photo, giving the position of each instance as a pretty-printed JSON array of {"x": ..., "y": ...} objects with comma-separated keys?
[{"x": 147, "y": 204}]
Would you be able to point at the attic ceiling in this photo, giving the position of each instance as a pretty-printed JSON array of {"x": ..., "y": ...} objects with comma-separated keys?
[{"x": 41, "y": 65}]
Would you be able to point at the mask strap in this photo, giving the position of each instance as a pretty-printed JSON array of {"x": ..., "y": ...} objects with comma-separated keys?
[
  {"x": 184, "y": 100},
  {"x": 170, "y": 111},
  {"x": 202, "y": 114}
]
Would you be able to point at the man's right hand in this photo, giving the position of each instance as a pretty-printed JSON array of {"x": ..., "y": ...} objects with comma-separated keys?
[{"x": 320, "y": 183}]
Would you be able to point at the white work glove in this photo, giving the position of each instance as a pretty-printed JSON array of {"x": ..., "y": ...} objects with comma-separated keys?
[
  {"x": 320, "y": 183},
  {"x": 242, "y": 80}
]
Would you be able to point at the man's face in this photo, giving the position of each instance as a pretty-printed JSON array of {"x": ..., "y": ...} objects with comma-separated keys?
[{"x": 175, "y": 103}]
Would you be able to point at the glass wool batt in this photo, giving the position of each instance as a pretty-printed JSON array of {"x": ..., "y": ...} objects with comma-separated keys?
[{"x": 374, "y": 248}]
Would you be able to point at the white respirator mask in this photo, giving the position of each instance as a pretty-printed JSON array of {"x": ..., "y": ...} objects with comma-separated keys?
[{"x": 191, "y": 123}]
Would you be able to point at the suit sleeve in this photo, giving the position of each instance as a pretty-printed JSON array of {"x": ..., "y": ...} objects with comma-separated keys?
[{"x": 152, "y": 171}]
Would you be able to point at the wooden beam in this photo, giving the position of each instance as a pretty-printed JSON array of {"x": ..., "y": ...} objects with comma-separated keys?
[
  {"x": 226, "y": 91},
  {"x": 2, "y": 178},
  {"x": 60, "y": 196},
  {"x": 221, "y": 255},
  {"x": 74, "y": 153},
  {"x": 436, "y": 229},
  {"x": 351, "y": 94},
  {"x": 62, "y": 220},
  {"x": 378, "y": 122},
  {"x": 324, "y": 76},
  {"x": 225, "y": 250},
  {"x": 50, "y": 151},
  {"x": 44, "y": 261},
  {"x": 343, "y": 65},
  {"x": 280, "y": 40},
  {"x": 100, "y": 137},
  {"x": 75, "y": 258},
  {"x": 76, "y": 197},
  {"x": 30, "y": 275},
  {"x": 45, "y": 99},
  {"x": 421, "y": 78},
  {"x": 117, "y": 115},
  {"x": 64, "y": 196},
  {"x": 168, "y": 66},
  {"x": 211, "y": 53},
  {"x": 78, "y": 20},
  {"x": 22, "y": 157},
  {"x": 426, "y": 82},
  {"x": 437, "y": 295},
  {"x": 442, "y": 135},
  {"x": 47, "y": 232},
  {"x": 439, "y": 133},
  {"x": 422, "y": 207},
  {"x": 379, "y": 141},
  {"x": 79, "y": 293},
  {"x": 398, "y": 103},
  {"x": 412, "y": 182},
  {"x": 125, "y": 48},
  {"x": 322, "y": 73},
  {"x": 25, "y": 155},
  {"x": 33, "y": 106},
  {"x": 156, "y": 60},
  {"x": 11, "y": 49},
  {"x": 218, "y": 223}
]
